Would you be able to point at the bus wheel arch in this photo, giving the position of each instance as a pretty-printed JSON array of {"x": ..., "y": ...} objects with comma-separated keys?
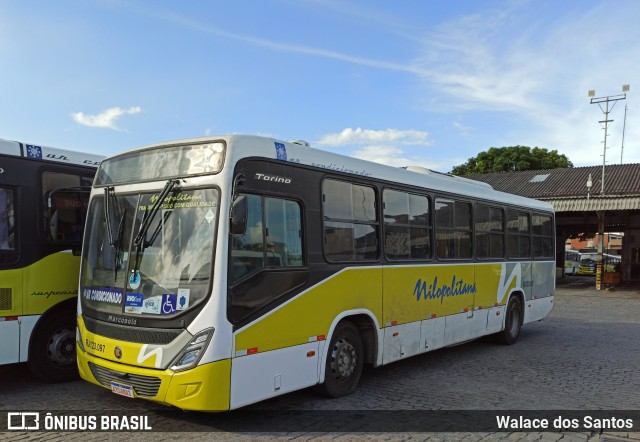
[
  {"x": 368, "y": 333},
  {"x": 353, "y": 343},
  {"x": 52, "y": 355},
  {"x": 513, "y": 319}
]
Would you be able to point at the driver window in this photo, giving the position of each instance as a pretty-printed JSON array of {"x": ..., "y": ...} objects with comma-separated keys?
[
  {"x": 65, "y": 205},
  {"x": 247, "y": 250},
  {"x": 272, "y": 239}
]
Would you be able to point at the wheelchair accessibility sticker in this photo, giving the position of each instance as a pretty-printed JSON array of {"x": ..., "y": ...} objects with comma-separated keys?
[{"x": 169, "y": 303}]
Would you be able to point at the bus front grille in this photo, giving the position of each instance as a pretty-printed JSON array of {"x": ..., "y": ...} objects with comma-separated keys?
[
  {"x": 147, "y": 386},
  {"x": 131, "y": 334}
]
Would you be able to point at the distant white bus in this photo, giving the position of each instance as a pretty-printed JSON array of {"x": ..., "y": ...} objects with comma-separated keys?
[{"x": 571, "y": 262}]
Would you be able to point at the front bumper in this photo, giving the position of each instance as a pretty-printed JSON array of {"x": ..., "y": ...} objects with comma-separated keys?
[{"x": 203, "y": 388}]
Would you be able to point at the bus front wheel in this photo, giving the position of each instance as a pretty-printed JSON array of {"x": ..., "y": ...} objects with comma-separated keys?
[
  {"x": 344, "y": 363},
  {"x": 512, "y": 323},
  {"x": 52, "y": 350}
]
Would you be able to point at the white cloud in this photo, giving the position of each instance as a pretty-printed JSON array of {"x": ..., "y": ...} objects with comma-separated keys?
[
  {"x": 391, "y": 147},
  {"x": 106, "y": 119},
  {"x": 537, "y": 73},
  {"x": 461, "y": 128},
  {"x": 351, "y": 136},
  {"x": 392, "y": 156}
]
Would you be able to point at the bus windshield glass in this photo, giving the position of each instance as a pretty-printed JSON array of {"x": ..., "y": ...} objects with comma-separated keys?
[
  {"x": 162, "y": 163},
  {"x": 165, "y": 273}
]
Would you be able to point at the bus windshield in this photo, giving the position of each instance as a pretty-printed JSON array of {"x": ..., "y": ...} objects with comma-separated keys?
[{"x": 166, "y": 272}]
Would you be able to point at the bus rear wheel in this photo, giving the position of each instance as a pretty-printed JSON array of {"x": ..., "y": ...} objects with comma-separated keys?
[
  {"x": 512, "y": 322},
  {"x": 52, "y": 350},
  {"x": 345, "y": 359}
]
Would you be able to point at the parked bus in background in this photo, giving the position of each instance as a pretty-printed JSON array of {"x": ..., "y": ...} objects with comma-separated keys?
[
  {"x": 43, "y": 200},
  {"x": 571, "y": 262},
  {"x": 217, "y": 272},
  {"x": 589, "y": 263}
]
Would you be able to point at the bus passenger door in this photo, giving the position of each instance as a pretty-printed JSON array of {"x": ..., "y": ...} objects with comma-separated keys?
[
  {"x": 477, "y": 313},
  {"x": 457, "y": 287},
  {"x": 527, "y": 285}
]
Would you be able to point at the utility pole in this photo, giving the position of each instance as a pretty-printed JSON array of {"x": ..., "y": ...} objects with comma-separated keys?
[
  {"x": 624, "y": 126},
  {"x": 601, "y": 223}
]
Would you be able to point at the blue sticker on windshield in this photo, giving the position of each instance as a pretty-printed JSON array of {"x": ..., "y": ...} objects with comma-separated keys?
[
  {"x": 169, "y": 302},
  {"x": 134, "y": 280},
  {"x": 281, "y": 151},
  {"x": 133, "y": 303},
  {"x": 104, "y": 294}
]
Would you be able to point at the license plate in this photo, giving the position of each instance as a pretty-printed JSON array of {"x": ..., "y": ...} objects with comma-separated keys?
[{"x": 122, "y": 390}]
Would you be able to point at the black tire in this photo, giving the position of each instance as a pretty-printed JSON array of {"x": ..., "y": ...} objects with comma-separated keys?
[
  {"x": 345, "y": 359},
  {"x": 514, "y": 316},
  {"x": 52, "y": 350}
]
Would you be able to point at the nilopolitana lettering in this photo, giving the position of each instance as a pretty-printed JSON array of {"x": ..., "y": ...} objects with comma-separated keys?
[{"x": 458, "y": 287}]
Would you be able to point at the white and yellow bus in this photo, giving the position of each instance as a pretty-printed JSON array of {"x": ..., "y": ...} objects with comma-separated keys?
[
  {"x": 44, "y": 194},
  {"x": 589, "y": 263},
  {"x": 218, "y": 272}
]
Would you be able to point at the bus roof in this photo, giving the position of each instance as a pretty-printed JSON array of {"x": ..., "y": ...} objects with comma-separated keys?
[
  {"x": 46, "y": 153},
  {"x": 297, "y": 152}
]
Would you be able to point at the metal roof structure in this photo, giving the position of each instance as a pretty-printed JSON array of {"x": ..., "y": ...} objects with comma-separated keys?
[{"x": 566, "y": 189}]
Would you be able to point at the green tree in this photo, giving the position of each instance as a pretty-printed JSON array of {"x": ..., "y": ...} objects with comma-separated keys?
[{"x": 512, "y": 158}]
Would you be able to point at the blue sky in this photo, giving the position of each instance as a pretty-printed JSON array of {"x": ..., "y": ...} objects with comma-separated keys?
[{"x": 428, "y": 83}]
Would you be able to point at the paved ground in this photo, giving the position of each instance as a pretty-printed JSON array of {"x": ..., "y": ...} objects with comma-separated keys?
[{"x": 585, "y": 356}]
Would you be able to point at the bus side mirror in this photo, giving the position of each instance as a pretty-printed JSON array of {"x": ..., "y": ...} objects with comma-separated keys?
[{"x": 239, "y": 216}]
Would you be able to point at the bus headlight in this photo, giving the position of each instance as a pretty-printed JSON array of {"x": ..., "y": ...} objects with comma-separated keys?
[{"x": 192, "y": 352}]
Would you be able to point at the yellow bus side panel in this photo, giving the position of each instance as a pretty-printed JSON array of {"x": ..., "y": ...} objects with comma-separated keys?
[
  {"x": 411, "y": 294},
  {"x": 41, "y": 285},
  {"x": 423, "y": 292},
  {"x": 311, "y": 314}
]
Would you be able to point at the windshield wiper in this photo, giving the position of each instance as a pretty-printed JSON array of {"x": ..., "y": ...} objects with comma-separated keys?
[
  {"x": 151, "y": 214},
  {"x": 107, "y": 213},
  {"x": 140, "y": 240},
  {"x": 117, "y": 242}
]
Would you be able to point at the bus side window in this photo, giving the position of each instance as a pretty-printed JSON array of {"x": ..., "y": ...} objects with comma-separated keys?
[
  {"x": 453, "y": 229},
  {"x": 247, "y": 249},
  {"x": 350, "y": 221},
  {"x": 518, "y": 234},
  {"x": 276, "y": 244},
  {"x": 7, "y": 220}
]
